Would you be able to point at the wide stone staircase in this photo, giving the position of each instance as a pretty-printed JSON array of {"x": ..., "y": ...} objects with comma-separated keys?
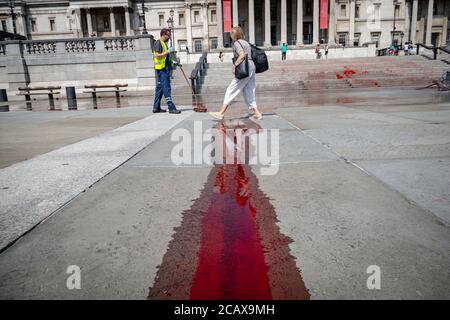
[{"x": 332, "y": 74}]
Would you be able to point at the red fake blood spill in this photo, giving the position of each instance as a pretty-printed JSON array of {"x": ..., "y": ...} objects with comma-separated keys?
[
  {"x": 348, "y": 73},
  {"x": 231, "y": 258},
  {"x": 228, "y": 245},
  {"x": 197, "y": 103}
]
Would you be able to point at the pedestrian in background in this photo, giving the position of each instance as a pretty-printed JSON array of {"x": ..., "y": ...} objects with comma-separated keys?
[
  {"x": 221, "y": 56},
  {"x": 410, "y": 48},
  {"x": 318, "y": 53},
  {"x": 283, "y": 51},
  {"x": 406, "y": 48},
  {"x": 326, "y": 51}
]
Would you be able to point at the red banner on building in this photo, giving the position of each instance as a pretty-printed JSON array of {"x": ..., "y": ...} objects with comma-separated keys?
[
  {"x": 227, "y": 18},
  {"x": 323, "y": 14}
]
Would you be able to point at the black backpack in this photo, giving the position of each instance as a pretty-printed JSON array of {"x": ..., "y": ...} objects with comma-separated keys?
[{"x": 260, "y": 59}]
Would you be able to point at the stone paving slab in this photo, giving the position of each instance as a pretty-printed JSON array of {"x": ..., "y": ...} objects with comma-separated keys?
[
  {"x": 426, "y": 182},
  {"x": 117, "y": 233},
  {"x": 338, "y": 116},
  {"x": 342, "y": 220},
  {"x": 24, "y": 135},
  {"x": 31, "y": 190},
  {"x": 387, "y": 142},
  {"x": 294, "y": 146},
  {"x": 441, "y": 116}
]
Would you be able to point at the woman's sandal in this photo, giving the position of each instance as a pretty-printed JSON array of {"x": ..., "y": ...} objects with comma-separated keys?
[{"x": 216, "y": 115}]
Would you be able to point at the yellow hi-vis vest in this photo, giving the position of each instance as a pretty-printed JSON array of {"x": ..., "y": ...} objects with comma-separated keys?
[{"x": 160, "y": 63}]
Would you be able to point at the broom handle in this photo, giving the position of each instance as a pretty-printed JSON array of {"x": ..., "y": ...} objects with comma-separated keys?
[{"x": 187, "y": 80}]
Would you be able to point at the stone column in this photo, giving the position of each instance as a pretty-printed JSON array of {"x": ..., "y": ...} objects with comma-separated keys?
[
  {"x": 189, "y": 26},
  {"x": 205, "y": 25},
  {"x": 219, "y": 15},
  {"x": 112, "y": 21},
  {"x": 332, "y": 23},
  {"x": 18, "y": 23},
  {"x": 251, "y": 19},
  {"x": 444, "y": 32},
  {"x": 89, "y": 21},
  {"x": 25, "y": 24},
  {"x": 293, "y": 19},
  {"x": 78, "y": 31},
  {"x": 316, "y": 22},
  {"x": 351, "y": 33},
  {"x": 94, "y": 24},
  {"x": 429, "y": 22},
  {"x": 413, "y": 28},
  {"x": 267, "y": 40},
  {"x": 235, "y": 13},
  {"x": 283, "y": 37},
  {"x": 127, "y": 21},
  {"x": 299, "y": 22}
]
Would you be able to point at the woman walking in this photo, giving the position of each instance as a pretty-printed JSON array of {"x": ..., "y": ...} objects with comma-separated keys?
[{"x": 245, "y": 85}]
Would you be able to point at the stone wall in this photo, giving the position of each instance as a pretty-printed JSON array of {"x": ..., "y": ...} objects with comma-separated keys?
[{"x": 77, "y": 62}]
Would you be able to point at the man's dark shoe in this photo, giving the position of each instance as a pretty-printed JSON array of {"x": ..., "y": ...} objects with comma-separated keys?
[
  {"x": 175, "y": 111},
  {"x": 158, "y": 110}
]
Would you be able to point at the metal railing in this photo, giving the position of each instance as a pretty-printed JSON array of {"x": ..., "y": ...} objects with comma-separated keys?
[
  {"x": 382, "y": 52},
  {"x": 198, "y": 73},
  {"x": 433, "y": 48},
  {"x": 444, "y": 49}
]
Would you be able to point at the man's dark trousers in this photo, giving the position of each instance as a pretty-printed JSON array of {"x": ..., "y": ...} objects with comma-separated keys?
[{"x": 163, "y": 88}]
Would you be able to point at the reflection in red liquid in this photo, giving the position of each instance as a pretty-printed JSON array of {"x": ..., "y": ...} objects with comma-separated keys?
[
  {"x": 231, "y": 258},
  {"x": 228, "y": 245}
]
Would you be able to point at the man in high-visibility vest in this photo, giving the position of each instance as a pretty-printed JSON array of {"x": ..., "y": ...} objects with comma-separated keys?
[{"x": 163, "y": 65}]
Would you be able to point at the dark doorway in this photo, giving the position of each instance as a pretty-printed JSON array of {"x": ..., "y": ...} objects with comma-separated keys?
[
  {"x": 434, "y": 38},
  {"x": 273, "y": 35},
  {"x": 307, "y": 32}
]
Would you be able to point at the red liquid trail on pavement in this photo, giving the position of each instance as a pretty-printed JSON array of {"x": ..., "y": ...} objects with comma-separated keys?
[
  {"x": 231, "y": 258},
  {"x": 228, "y": 245}
]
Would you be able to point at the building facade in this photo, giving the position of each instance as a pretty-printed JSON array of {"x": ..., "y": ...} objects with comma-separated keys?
[{"x": 200, "y": 25}]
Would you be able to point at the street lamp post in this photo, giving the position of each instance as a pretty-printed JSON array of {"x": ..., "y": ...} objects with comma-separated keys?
[
  {"x": 402, "y": 34},
  {"x": 172, "y": 31},
  {"x": 144, "y": 30},
  {"x": 396, "y": 4},
  {"x": 13, "y": 15}
]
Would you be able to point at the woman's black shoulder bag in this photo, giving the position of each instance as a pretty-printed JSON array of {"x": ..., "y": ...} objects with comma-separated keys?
[{"x": 242, "y": 70}]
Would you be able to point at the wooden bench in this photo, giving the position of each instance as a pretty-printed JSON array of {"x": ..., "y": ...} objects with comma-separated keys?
[
  {"x": 29, "y": 91},
  {"x": 116, "y": 88}
]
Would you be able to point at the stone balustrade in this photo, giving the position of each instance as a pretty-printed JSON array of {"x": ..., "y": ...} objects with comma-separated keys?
[
  {"x": 75, "y": 62},
  {"x": 79, "y": 46},
  {"x": 76, "y": 45}
]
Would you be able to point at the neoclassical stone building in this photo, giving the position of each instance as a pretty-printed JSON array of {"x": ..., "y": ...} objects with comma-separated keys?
[{"x": 204, "y": 24}]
